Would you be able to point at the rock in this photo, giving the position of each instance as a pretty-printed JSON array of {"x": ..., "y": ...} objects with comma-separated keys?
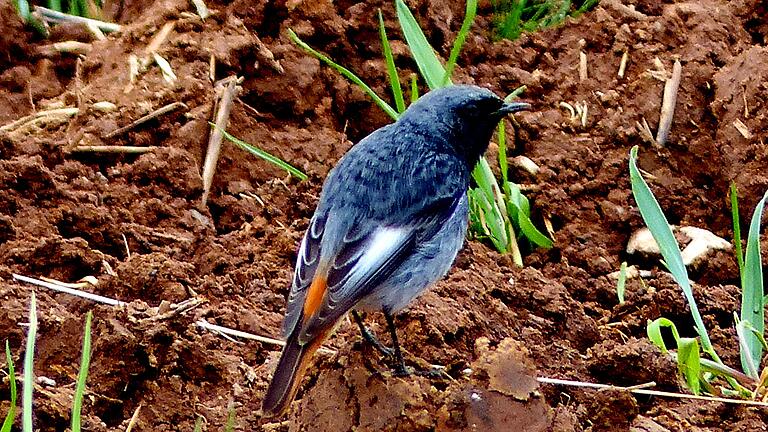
[{"x": 702, "y": 243}]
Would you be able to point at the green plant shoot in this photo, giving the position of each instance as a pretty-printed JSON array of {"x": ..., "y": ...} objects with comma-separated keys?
[
  {"x": 688, "y": 357},
  {"x": 752, "y": 297},
  {"x": 11, "y": 415},
  {"x": 85, "y": 361},
  {"x": 29, "y": 374},
  {"x": 621, "y": 284}
]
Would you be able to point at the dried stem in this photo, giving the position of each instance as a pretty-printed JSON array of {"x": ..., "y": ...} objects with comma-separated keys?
[
  {"x": 668, "y": 104},
  {"x": 94, "y": 297},
  {"x": 71, "y": 47},
  {"x": 214, "y": 142},
  {"x": 38, "y": 117},
  {"x": 633, "y": 389},
  {"x": 623, "y": 64},
  {"x": 241, "y": 334},
  {"x": 583, "y": 66},
  {"x": 112, "y": 149},
  {"x": 154, "y": 114},
  {"x": 53, "y": 16}
]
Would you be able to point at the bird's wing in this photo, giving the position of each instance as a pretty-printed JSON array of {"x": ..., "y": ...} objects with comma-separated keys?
[
  {"x": 365, "y": 258},
  {"x": 358, "y": 257},
  {"x": 307, "y": 264}
]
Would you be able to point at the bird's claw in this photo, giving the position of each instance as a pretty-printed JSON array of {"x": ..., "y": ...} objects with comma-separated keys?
[{"x": 403, "y": 371}]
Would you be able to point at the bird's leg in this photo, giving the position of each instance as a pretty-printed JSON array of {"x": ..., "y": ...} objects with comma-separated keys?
[
  {"x": 400, "y": 369},
  {"x": 369, "y": 337}
]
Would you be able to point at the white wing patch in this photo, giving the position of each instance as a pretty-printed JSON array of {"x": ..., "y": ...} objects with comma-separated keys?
[{"x": 384, "y": 242}]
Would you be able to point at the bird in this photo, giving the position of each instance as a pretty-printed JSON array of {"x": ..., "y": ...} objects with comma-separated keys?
[{"x": 391, "y": 218}]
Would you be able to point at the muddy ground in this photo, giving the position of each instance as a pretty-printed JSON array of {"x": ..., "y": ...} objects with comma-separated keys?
[{"x": 136, "y": 221}]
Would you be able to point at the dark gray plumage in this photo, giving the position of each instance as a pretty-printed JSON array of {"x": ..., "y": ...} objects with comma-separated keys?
[{"x": 391, "y": 218}]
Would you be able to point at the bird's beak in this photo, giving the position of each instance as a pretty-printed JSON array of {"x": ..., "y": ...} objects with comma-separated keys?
[{"x": 512, "y": 107}]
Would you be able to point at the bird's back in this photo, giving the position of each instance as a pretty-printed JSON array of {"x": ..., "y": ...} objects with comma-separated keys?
[{"x": 393, "y": 174}]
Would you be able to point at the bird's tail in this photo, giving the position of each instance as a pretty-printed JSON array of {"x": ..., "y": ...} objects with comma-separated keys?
[{"x": 291, "y": 368}]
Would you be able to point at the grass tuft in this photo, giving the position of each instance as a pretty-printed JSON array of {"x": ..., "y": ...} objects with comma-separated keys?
[
  {"x": 512, "y": 18},
  {"x": 749, "y": 326},
  {"x": 28, "y": 379}
]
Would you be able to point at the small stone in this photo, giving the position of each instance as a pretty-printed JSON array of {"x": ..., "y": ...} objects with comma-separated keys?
[{"x": 104, "y": 107}]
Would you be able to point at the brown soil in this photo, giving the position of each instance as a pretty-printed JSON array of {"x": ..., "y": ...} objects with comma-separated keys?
[{"x": 65, "y": 215}]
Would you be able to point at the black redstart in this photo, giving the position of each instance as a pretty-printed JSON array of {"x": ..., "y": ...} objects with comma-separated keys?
[{"x": 392, "y": 216}]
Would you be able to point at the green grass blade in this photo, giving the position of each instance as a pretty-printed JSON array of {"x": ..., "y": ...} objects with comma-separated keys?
[
  {"x": 198, "y": 425},
  {"x": 22, "y": 8},
  {"x": 737, "y": 230},
  {"x": 483, "y": 177},
  {"x": 29, "y": 374},
  {"x": 11, "y": 415},
  {"x": 517, "y": 204},
  {"x": 490, "y": 212},
  {"x": 587, "y": 5},
  {"x": 520, "y": 209},
  {"x": 511, "y": 27},
  {"x": 653, "y": 329},
  {"x": 230, "y": 425},
  {"x": 657, "y": 223},
  {"x": 747, "y": 361},
  {"x": 621, "y": 284},
  {"x": 346, "y": 73},
  {"x": 74, "y": 8},
  {"x": 55, "y": 5},
  {"x": 489, "y": 223},
  {"x": 688, "y": 356},
  {"x": 85, "y": 8},
  {"x": 469, "y": 18},
  {"x": 82, "y": 375},
  {"x": 533, "y": 234},
  {"x": 501, "y": 133},
  {"x": 501, "y": 207},
  {"x": 689, "y": 362},
  {"x": 264, "y": 155},
  {"x": 414, "y": 88},
  {"x": 394, "y": 78},
  {"x": 752, "y": 304},
  {"x": 758, "y": 335},
  {"x": 539, "y": 19},
  {"x": 426, "y": 59}
]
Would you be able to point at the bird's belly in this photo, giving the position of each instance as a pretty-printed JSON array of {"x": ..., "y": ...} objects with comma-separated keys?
[{"x": 430, "y": 262}]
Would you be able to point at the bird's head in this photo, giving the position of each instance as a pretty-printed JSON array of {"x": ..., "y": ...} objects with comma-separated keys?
[{"x": 465, "y": 115}]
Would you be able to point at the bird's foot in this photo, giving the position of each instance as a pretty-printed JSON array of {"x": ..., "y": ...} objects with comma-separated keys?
[
  {"x": 433, "y": 372},
  {"x": 402, "y": 371}
]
